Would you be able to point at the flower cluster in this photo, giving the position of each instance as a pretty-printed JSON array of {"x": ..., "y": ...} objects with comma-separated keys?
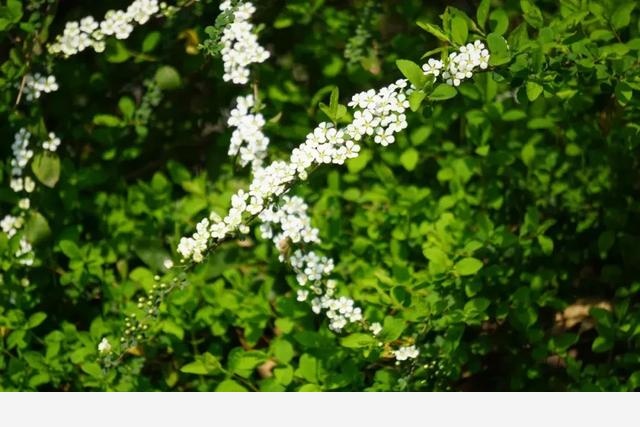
[
  {"x": 405, "y": 353},
  {"x": 52, "y": 143},
  {"x": 459, "y": 65},
  {"x": 289, "y": 223},
  {"x": 340, "y": 311},
  {"x": 104, "y": 347},
  {"x": 36, "y": 84},
  {"x": 194, "y": 247},
  {"x": 247, "y": 138},
  {"x": 292, "y": 220},
  {"x": 240, "y": 45},
  {"x": 310, "y": 266},
  {"x": 25, "y": 254},
  {"x": 80, "y": 35},
  {"x": 21, "y": 156},
  {"x": 11, "y": 224},
  {"x": 380, "y": 113}
]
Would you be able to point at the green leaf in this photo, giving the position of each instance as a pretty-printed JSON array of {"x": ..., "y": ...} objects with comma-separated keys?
[
  {"x": 360, "y": 162},
  {"x": 401, "y": 295},
  {"x": 434, "y": 30},
  {"x": 439, "y": 262},
  {"x": 498, "y": 49},
  {"x": 282, "y": 350},
  {"x": 230, "y": 386},
  {"x": 244, "y": 362},
  {"x": 70, "y": 249},
  {"x": 107, "y": 120},
  {"x": 127, "y": 106},
  {"x": 412, "y": 72},
  {"x": 392, "y": 328},
  {"x": 601, "y": 344},
  {"x": 468, "y": 266},
  {"x": 482, "y": 13},
  {"x": 621, "y": 17},
  {"x": 150, "y": 41},
  {"x": 310, "y": 388},
  {"x": 116, "y": 52},
  {"x": 409, "y": 159},
  {"x": 197, "y": 368},
  {"x": 283, "y": 375},
  {"x": 308, "y": 368},
  {"x": 532, "y": 13},
  {"x": 334, "y": 111},
  {"x": 546, "y": 244},
  {"x": 528, "y": 153},
  {"x": 603, "y": 318},
  {"x": 561, "y": 343},
  {"x": 459, "y": 30},
  {"x": 36, "y": 319},
  {"x": 46, "y": 167},
  {"x": 499, "y": 21},
  {"x": 171, "y": 327},
  {"x": 415, "y": 99},
  {"x": 533, "y": 90},
  {"x": 476, "y": 306},
  {"x": 442, "y": 92},
  {"x": 93, "y": 369},
  {"x": 168, "y": 78},
  {"x": 205, "y": 364},
  {"x": 37, "y": 228},
  {"x": 358, "y": 340},
  {"x": 334, "y": 101},
  {"x": 624, "y": 92},
  {"x": 605, "y": 242}
]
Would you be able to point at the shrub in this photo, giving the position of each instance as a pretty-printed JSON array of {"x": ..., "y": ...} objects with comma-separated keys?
[{"x": 491, "y": 246}]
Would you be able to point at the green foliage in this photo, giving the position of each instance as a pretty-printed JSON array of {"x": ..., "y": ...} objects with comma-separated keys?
[{"x": 497, "y": 234}]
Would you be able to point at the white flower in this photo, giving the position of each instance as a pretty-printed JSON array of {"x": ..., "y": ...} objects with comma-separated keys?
[
  {"x": 432, "y": 67},
  {"x": 375, "y": 328},
  {"x": 407, "y": 352},
  {"x": 303, "y": 294},
  {"x": 29, "y": 184},
  {"x": 167, "y": 264},
  {"x": 24, "y": 204},
  {"x": 104, "y": 347}
]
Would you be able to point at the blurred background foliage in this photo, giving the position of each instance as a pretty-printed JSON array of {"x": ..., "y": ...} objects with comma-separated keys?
[{"x": 498, "y": 233}]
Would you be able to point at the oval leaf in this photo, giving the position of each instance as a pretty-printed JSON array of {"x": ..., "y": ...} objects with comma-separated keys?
[
  {"x": 468, "y": 266},
  {"x": 46, "y": 167}
]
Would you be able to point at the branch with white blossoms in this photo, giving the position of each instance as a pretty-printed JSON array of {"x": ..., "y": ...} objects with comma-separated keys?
[
  {"x": 78, "y": 36},
  {"x": 240, "y": 47},
  {"x": 378, "y": 115},
  {"x": 459, "y": 65},
  {"x": 37, "y": 84},
  {"x": 20, "y": 182}
]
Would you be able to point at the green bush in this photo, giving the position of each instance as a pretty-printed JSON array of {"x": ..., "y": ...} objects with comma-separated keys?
[{"x": 497, "y": 234}]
